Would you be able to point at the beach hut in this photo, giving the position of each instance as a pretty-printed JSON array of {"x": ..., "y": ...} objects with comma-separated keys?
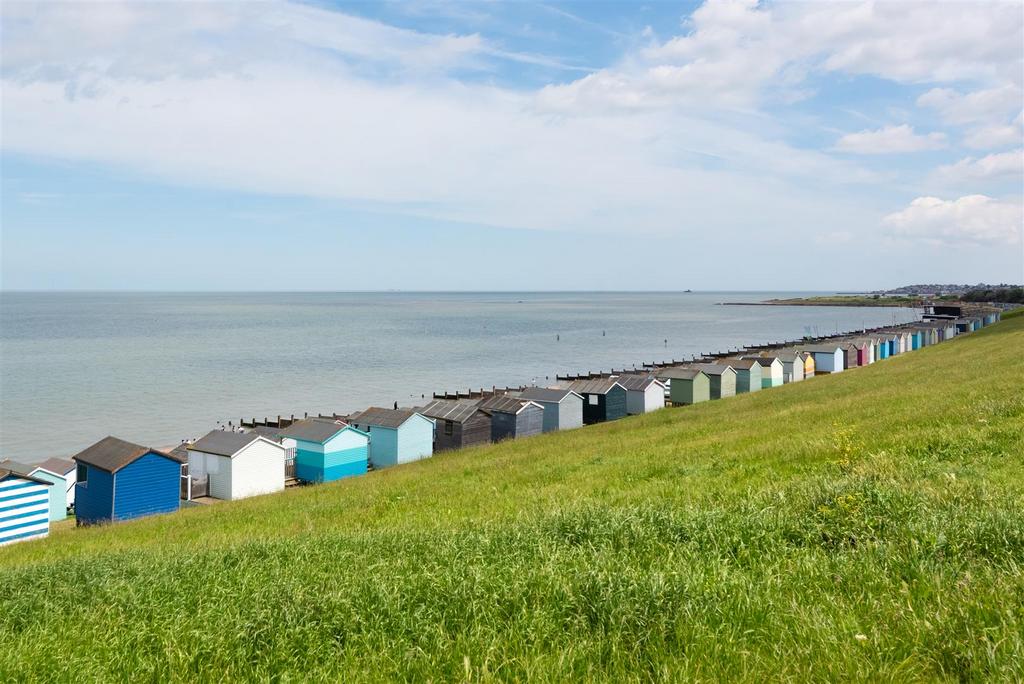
[
  {"x": 512, "y": 418},
  {"x": 686, "y": 385},
  {"x": 563, "y": 409},
  {"x": 792, "y": 366},
  {"x": 24, "y": 507},
  {"x": 457, "y": 424},
  {"x": 722, "y": 379},
  {"x": 603, "y": 399},
  {"x": 644, "y": 393},
  {"x": 396, "y": 436},
  {"x": 772, "y": 371},
  {"x": 326, "y": 449},
  {"x": 66, "y": 469},
  {"x": 236, "y": 465},
  {"x": 851, "y": 354},
  {"x": 963, "y": 325},
  {"x": 748, "y": 375},
  {"x": 57, "y": 492},
  {"x": 828, "y": 358},
  {"x": 117, "y": 480}
]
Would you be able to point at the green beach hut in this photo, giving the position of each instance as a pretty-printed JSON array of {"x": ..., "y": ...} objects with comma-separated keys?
[{"x": 686, "y": 385}]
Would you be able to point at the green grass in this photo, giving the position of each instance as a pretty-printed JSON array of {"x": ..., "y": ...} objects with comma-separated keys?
[{"x": 863, "y": 526}]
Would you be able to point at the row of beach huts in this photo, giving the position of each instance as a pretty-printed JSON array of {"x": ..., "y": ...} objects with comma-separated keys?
[{"x": 115, "y": 480}]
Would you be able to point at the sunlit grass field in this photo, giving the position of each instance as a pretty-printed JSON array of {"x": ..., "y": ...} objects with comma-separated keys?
[{"x": 864, "y": 526}]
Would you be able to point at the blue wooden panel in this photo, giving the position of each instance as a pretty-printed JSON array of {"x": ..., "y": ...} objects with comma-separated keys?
[
  {"x": 94, "y": 498},
  {"x": 24, "y": 509},
  {"x": 148, "y": 486}
]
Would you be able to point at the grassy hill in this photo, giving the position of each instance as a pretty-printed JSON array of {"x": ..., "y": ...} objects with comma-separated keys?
[{"x": 863, "y": 526}]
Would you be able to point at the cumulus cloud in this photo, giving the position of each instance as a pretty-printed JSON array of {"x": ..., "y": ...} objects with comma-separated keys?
[
  {"x": 991, "y": 137},
  {"x": 889, "y": 140},
  {"x": 974, "y": 219},
  {"x": 988, "y": 167},
  {"x": 991, "y": 105}
]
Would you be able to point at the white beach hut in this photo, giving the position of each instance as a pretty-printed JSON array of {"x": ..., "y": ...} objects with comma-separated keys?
[{"x": 237, "y": 464}]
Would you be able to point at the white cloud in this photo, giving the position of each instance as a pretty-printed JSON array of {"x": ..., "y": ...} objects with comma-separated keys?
[
  {"x": 991, "y": 166},
  {"x": 888, "y": 140},
  {"x": 974, "y": 219},
  {"x": 990, "y": 137},
  {"x": 992, "y": 105}
]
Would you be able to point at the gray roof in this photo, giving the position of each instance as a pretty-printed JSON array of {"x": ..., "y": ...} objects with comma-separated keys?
[
  {"x": 382, "y": 417},
  {"x": 317, "y": 430},
  {"x": 765, "y": 361},
  {"x": 112, "y": 454},
  {"x": 788, "y": 356},
  {"x": 223, "y": 442},
  {"x": 636, "y": 382},
  {"x": 271, "y": 433},
  {"x": 448, "y": 409},
  {"x": 5, "y": 471},
  {"x": 745, "y": 364},
  {"x": 822, "y": 348},
  {"x": 61, "y": 466},
  {"x": 502, "y": 403},
  {"x": 17, "y": 467},
  {"x": 546, "y": 394},
  {"x": 714, "y": 368},
  {"x": 596, "y": 386},
  {"x": 680, "y": 373}
]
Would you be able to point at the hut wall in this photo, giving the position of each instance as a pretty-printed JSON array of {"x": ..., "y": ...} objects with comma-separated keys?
[
  {"x": 24, "y": 509},
  {"x": 530, "y": 421},
  {"x": 94, "y": 497},
  {"x": 570, "y": 413},
  {"x": 147, "y": 486}
]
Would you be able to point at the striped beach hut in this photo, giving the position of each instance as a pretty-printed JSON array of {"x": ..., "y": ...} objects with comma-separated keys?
[
  {"x": 512, "y": 417},
  {"x": 326, "y": 450},
  {"x": 396, "y": 435},
  {"x": 58, "y": 492},
  {"x": 828, "y": 358},
  {"x": 24, "y": 507},
  {"x": 457, "y": 423},
  {"x": 644, "y": 393},
  {"x": 563, "y": 408},
  {"x": 604, "y": 399},
  {"x": 686, "y": 385},
  {"x": 118, "y": 480},
  {"x": 748, "y": 375},
  {"x": 772, "y": 371},
  {"x": 722, "y": 378}
]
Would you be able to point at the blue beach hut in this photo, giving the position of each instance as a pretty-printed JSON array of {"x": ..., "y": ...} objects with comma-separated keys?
[
  {"x": 326, "y": 450},
  {"x": 24, "y": 507},
  {"x": 58, "y": 492},
  {"x": 396, "y": 436},
  {"x": 118, "y": 480}
]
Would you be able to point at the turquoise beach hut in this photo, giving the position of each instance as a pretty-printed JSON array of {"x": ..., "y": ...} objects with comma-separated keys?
[
  {"x": 326, "y": 450},
  {"x": 57, "y": 493},
  {"x": 396, "y": 436}
]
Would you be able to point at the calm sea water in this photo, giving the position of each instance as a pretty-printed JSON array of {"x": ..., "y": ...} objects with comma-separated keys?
[{"x": 157, "y": 368}]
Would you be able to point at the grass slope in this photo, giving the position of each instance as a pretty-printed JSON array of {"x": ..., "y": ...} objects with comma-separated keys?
[{"x": 863, "y": 526}]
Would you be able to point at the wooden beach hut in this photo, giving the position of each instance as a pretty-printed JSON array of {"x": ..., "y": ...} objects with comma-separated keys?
[
  {"x": 963, "y": 325},
  {"x": 457, "y": 423},
  {"x": 57, "y": 492},
  {"x": 772, "y": 371},
  {"x": 644, "y": 393},
  {"x": 512, "y": 417},
  {"x": 792, "y": 366},
  {"x": 563, "y": 408},
  {"x": 24, "y": 507},
  {"x": 828, "y": 358},
  {"x": 396, "y": 435},
  {"x": 604, "y": 399},
  {"x": 748, "y": 375},
  {"x": 235, "y": 465},
  {"x": 326, "y": 450},
  {"x": 686, "y": 385},
  {"x": 117, "y": 480},
  {"x": 66, "y": 469},
  {"x": 722, "y": 379}
]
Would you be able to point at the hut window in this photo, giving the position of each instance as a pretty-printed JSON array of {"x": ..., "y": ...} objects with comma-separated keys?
[
  {"x": 82, "y": 474},
  {"x": 592, "y": 398},
  {"x": 449, "y": 427}
]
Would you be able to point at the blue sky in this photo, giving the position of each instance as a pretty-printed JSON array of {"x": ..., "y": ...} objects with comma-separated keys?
[{"x": 485, "y": 145}]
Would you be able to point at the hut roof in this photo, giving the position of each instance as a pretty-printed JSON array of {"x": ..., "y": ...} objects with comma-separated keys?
[
  {"x": 223, "y": 442},
  {"x": 745, "y": 364},
  {"x": 715, "y": 368},
  {"x": 822, "y": 348},
  {"x": 271, "y": 433},
  {"x": 5, "y": 471},
  {"x": 765, "y": 361},
  {"x": 317, "y": 430},
  {"x": 547, "y": 394},
  {"x": 61, "y": 466},
  {"x": 502, "y": 403},
  {"x": 450, "y": 409},
  {"x": 596, "y": 386},
  {"x": 112, "y": 454},
  {"x": 382, "y": 417},
  {"x": 680, "y": 373},
  {"x": 636, "y": 383}
]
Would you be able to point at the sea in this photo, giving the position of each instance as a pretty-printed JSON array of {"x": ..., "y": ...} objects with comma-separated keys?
[{"x": 158, "y": 368}]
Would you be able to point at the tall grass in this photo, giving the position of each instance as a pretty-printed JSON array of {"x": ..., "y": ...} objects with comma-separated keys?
[{"x": 861, "y": 526}]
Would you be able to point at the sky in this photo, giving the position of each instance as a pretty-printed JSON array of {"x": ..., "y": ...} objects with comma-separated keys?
[{"x": 433, "y": 145}]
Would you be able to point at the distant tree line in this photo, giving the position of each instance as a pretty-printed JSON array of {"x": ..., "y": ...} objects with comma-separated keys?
[{"x": 1012, "y": 294}]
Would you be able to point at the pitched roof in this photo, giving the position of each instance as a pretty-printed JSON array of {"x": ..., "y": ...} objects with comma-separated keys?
[
  {"x": 382, "y": 417},
  {"x": 714, "y": 368},
  {"x": 596, "y": 386},
  {"x": 636, "y": 382},
  {"x": 765, "y": 361},
  {"x": 546, "y": 394},
  {"x": 680, "y": 373},
  {"x": 17, "y": 467},
  {"x": 745, "y": 364},
  {"x": 271, "y": 433},
  {"x": 503, "y": 403},
  {"x": 822, "y": 348},
  {"x": 449, "y": 409},
  {"x": 5, "y": 471},
  {"x": 112, "y": 454},
  {"x": 788, "y": 356},
  {"x": 317, "y": 430},
  {"x": 223, "y": 442},
  {"x": 61, "y": 466}
]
